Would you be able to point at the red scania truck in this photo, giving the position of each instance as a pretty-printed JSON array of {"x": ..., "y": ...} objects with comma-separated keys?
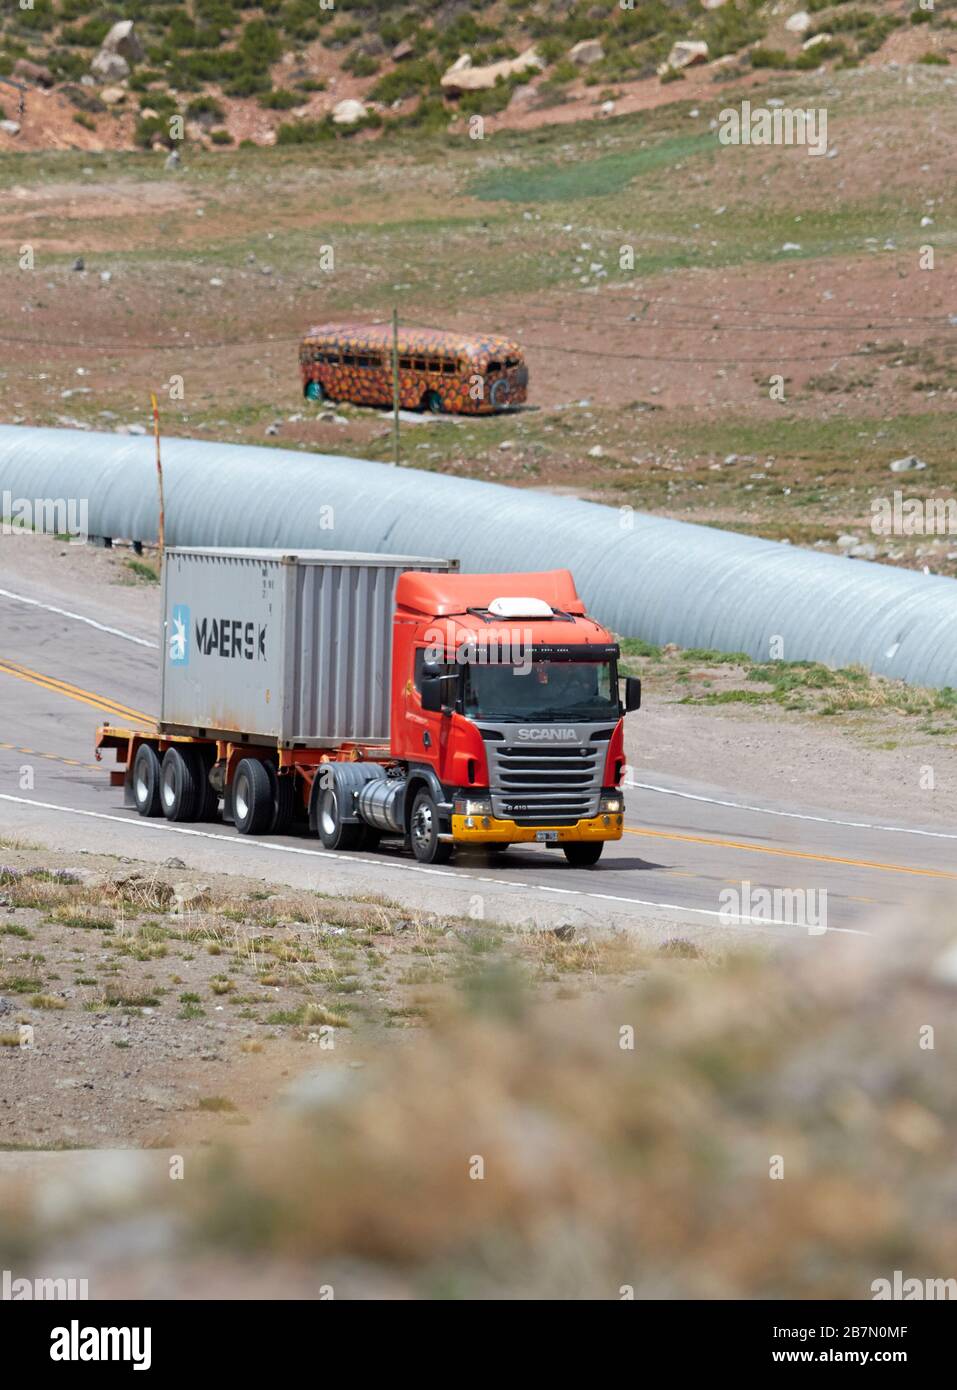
[{"x": 368, "y": 696}]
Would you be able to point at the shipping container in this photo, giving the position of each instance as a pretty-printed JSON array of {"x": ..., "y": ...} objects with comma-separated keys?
[{"x": 269, "y": 646}]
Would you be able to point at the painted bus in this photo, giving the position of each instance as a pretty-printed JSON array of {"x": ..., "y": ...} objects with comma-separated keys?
[{"x": 439, "y": 372}]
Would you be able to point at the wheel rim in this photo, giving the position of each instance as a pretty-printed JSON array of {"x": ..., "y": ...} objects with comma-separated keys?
[
  {"x": 141, "y": 786},
  {"x": 241, "y": 798},
  {"x": 329, "y": 814},
  {"x": 422, "y": 826},
  {"x": 168, "y": 786}
]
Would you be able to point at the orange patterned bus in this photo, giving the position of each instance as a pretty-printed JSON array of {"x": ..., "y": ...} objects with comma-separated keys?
[{"x": 437, "y": 371}]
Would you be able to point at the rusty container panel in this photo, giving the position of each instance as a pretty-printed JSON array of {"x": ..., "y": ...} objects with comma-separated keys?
[{"x": 277, "y": 647}]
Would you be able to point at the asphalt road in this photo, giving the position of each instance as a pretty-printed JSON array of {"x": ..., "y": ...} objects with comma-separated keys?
[{"x": 63, "y": 673}]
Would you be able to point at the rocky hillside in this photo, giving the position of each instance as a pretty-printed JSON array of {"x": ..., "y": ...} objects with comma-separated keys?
[{"x": 148, "y": 73}]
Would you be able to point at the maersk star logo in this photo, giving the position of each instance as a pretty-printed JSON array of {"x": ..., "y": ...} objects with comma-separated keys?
[{"x": 179, "y": 636}]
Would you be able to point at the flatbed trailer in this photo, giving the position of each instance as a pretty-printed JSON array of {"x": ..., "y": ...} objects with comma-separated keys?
[{"x": 277, "y": 787}]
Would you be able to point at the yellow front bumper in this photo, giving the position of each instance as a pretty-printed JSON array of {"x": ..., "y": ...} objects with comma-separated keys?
[{"x": 488, "y": 830}]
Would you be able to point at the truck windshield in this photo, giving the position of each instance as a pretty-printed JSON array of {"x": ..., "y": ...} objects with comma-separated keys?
[{"x": 550, "y": 690}]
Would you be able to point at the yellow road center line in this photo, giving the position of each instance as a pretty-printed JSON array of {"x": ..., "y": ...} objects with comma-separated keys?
[
  {"x": 793, "y": 853},
  {"x": 72, "y": 692}
]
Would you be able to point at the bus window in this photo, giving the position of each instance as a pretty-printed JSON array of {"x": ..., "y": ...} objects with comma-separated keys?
[
  {"x": 332, "y": 358},
  {"x": 494, "y": 367},
  {"x": 420, "y": 364},
  {"x": 512, "y": 362},
  {"x": 348, "y": 359},
  {"x": 364, "y": 362},
  {"x": 435, "y": 365},
  {"x": 405, "y": 364},
  {"x": 449, "y": 368}
]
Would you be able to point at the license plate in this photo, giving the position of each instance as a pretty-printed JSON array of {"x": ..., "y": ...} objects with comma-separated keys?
[{"x": 546, "y": 836}]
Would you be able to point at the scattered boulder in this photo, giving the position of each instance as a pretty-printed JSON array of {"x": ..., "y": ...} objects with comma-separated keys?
[
  {"x": 586, "y": 52},
  {"x": 463, "y": 77},
  {"x": 33, "y": 72},
  {"x": 798, "y": 23},
  {"x": 123, "y": 39},
  {"x": 712, "y": 4},
  {"x": 815, "y": 40},
  {"x": 188, "y": 895},
  {"x": 112, "y": 96},
  {"x": 79, "y": 264},
  {"x": 109, "y": 67},
  {"x": 172, "y": 161},
  {"x": 348, "y": 112},
  {"x": 910, "y": 464},
  {"x": 402, "y": 51},
  {"x": 686, "y": 52},
  {"x": 10, "y": 127}
]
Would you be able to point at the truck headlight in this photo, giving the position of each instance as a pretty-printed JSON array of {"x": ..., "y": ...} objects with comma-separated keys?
[
  {"x": 611, "y": 804},
  {"x": 474, "y": 806}
]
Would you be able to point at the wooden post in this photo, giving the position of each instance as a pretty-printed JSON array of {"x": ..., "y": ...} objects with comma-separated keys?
[
  {"x": 161, "y": 529},
  {"x": 395, "y": 387}
]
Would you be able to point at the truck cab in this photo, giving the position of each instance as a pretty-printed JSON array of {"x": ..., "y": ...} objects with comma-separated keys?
[{"x": 506, "y": 715}]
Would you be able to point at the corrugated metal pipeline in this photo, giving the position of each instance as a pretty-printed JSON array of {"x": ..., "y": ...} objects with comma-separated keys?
[{"x": 665, "y": 581}]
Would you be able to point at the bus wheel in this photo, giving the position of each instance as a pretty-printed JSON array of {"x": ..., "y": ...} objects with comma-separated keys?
[
  {"x": 252, "y": 798},
  {"x": 146, "y": 781},
  {"x": 432, "y": 402},
  {"x": 180, "y": 787},
  {"x": 498, "y": 396},
  {"x": 582, "y": 854},
  {"x": 314, "y": 391}
]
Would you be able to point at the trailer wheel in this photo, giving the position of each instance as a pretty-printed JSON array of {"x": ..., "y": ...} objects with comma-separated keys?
[
  {"x": 424, "y": 832},
  {"x": 334, "y": 832},
  {"x": 180, "y": 788},
  {"x": 252, "y": 798},
  {"x": 283, "y": 791},
  {"x": 146, "y": 781},
  {"x": 208, "y": 802},
  {"x": 582, "y": 854}
]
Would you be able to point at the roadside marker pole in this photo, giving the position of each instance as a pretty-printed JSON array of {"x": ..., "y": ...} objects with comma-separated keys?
[
  {"x": 395, "y": 386},
  {"x": 161, "y": 529}
]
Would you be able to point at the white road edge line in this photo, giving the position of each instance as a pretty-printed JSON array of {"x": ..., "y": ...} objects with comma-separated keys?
[
  {"x": 79, "y": 618},
  {"x": 244, "y": 842},
  {"x": 794, "y": 815}
]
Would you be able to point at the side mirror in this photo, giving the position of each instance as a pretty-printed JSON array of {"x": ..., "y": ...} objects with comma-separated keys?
[
  {"x": 632, "y": 693},
  {"x": 432, "y": 693}
]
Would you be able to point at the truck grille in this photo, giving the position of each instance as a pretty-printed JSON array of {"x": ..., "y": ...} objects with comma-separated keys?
[{"x": 536, "y": 785}]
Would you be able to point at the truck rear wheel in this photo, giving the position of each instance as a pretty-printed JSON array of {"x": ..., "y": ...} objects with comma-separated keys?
[
  {"x": 146, "y": 781},
  {"x": 581, "y": 854},
  {"x": 334, "y": 832},
  {"x": 283, "y": 801},
  {"x": 180, "y": 786},
  {"x": 252, "y": 798},
  {"x": 424, "y": 832}
]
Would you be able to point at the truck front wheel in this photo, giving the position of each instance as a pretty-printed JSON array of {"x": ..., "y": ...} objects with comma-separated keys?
[
  {"x": 253, "y": 805},
  {"x": 424, "y": 832},
  {"x": 581, "y": 854}
]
